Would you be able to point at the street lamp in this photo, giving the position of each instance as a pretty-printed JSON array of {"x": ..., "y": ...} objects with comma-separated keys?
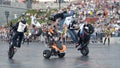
[
  {"x": 29, "y": 4},
  {"x": 59, "y": 4},
  {"x": 7, "y": 15}
]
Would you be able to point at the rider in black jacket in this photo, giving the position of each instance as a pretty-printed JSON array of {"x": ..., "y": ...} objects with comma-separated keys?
[{"x": 19, "y": 29}]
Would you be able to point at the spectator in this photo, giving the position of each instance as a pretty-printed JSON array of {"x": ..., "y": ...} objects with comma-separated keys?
[{"x": 107, "y": 35}]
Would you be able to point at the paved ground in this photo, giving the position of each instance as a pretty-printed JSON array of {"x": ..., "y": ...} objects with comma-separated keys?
[{"x": 30, "y": 56}]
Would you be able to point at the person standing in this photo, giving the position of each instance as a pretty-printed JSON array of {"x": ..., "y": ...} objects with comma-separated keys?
[
  {"x": 107, "y": 35},
  {"x": 33, "y": 19}
]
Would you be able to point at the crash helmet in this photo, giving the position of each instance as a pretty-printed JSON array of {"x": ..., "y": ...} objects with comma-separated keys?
[
  {"x": 88, "y": 28},
  {"x": 23, "y": 21}
]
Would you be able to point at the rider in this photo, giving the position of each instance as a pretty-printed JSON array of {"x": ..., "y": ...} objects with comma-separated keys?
[
  {"x": 19, "y": 29},
  {"x": 59, "y": 19},
  {"x": 36, "y": 31},
  {"x": 70, "y": 24}
]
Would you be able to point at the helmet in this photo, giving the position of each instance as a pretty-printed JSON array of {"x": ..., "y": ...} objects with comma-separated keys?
[
  {"x": 23, "y": 21},
  {"x": 88, "y": 28}
]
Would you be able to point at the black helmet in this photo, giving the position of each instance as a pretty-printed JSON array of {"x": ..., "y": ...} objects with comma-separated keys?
[
  {"x": 23, "y": 21},
  {"x": 88, "y": 28}
]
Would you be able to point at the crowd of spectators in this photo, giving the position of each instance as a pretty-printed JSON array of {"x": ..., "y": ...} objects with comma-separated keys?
[{"x": 106, "y": 13}]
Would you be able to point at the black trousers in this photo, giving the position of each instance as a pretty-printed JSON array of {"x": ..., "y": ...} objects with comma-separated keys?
[{"x": 17, "y": 39}]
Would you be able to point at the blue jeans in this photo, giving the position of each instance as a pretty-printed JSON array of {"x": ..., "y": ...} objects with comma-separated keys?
[
  {"x": 61, "y": 22},
  {"x": 17, "y": 39},
  {"x": 69, "y": 14},
  {"x": 73, "y": 35}
]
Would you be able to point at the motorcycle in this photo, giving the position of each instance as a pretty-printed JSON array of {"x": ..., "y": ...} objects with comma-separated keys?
[
  {"x": 56, "y": 48},
  {"x": 84, "y": 39}
]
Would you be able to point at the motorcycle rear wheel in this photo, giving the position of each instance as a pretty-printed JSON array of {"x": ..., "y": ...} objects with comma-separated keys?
[
  {"x": 11, "y": 52},
  {"x": 61, "y": 55},
  {"x": 85, "y": 51}
]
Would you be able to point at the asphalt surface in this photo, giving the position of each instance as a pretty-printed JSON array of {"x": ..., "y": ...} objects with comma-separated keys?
[{"x": 30, "y": 56}]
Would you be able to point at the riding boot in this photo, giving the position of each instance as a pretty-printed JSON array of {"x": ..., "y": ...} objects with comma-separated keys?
[
  {"x": 76, "y": 45},
  {"x": 54, "y": 52},
  {"x": 108, "y": 41},
  {"x": 104, "y": 41},
  {"x": 79, "y": 48}
]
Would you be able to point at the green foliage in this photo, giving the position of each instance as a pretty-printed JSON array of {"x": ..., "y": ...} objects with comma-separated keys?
[{"x": 27, "y": 14}]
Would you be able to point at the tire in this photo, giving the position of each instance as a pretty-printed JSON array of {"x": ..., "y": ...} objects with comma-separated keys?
[
  {"x": 85, "y": 51},
  {"x": 61, "y": 55},
  {"x": 11, "y": 52},
  {"x": 46, "y": 54}
]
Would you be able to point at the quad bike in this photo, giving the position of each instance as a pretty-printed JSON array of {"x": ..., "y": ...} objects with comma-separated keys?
[{"x": 55, "y": 45}]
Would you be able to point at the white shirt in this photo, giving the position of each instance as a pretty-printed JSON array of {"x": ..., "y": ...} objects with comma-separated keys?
[
  {"x": 81, "y": 26},
  {"x": 37, "y": 24},
  {"x": 68, "y": 20},
  {"x": 33, "y": 18},
  {"x": 21, "y": 27}
]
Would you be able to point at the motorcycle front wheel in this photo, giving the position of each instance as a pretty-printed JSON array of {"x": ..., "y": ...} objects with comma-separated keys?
[{"x": 46, "y": 54}]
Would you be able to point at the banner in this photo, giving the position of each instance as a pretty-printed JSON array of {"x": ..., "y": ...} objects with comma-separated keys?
[{"x": 91, "y": 20}]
